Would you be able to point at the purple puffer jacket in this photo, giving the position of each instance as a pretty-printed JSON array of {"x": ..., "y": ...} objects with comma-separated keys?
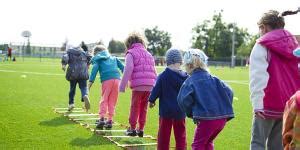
[{"x": 143, "y": 72}]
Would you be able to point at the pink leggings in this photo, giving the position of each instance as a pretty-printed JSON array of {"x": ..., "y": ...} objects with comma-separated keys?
[
  {"x": 138, "y": 109},
  {"x": 110, "y": 92},
  {"x": 206, "y": 132}
]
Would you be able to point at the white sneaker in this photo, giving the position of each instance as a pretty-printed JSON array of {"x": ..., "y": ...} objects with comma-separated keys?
[
  {"x": 86, "y": 102},
  {"x": 71, "y": 107}
]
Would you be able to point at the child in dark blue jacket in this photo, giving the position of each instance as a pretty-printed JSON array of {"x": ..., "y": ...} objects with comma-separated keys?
[
  {"x": 166, "y": 89},
  {"x": 204, "y": 98}
]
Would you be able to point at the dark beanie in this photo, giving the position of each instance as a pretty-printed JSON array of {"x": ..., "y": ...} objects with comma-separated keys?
[{"x": 173, "y": 56}]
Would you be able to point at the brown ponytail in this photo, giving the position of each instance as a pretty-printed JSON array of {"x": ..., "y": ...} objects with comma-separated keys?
[
  {"x": 289, "y": 12},
  {"x": 273, "y": 19}
]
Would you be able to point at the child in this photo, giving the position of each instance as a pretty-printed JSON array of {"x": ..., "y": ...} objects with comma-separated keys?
[
  {"x": 166, "y": 89},
  {"x": 77, "y": 72},
  {"x": 107, "y": 66},
  {"x": 206, "y": 99},
  {"x": 274, "y": 78},
  {"x": 140, "y": 71},
  {"x": 291, "y": 123}
]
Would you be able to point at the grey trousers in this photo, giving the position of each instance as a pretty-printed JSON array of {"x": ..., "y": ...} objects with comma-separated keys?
[{"x": 266, "y": 132}]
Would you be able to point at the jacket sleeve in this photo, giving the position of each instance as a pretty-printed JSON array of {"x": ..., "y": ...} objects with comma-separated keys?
[
  {"x": 227, "y": 89},
  {"x": 120, "y": 65},
  {"x": 185, "y": 99},
  {"x": 127, "y": 72},
  {"x": 89, "y": 58},
  {"x": 65, "y": 59},
  {"x": 156, "y": 91},
  {"x": 258, "y": 76},
  {"x": 94, "y": 72}
]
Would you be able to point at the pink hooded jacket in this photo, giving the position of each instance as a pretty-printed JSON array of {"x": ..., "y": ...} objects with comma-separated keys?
[{"x": 283, "y": 71}]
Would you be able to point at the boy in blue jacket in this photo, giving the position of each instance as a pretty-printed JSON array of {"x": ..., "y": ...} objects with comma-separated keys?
[
  {"x": 109, "y": 68},
  {"x": 204, "y": 98},
  {"x": 166, "y": 89}
]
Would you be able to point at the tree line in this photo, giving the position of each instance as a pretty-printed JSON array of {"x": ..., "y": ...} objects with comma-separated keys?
[{"x": 214, "y": 37}]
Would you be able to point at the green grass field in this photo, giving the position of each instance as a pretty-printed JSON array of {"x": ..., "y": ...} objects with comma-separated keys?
[{"x": 29, "y": 91}]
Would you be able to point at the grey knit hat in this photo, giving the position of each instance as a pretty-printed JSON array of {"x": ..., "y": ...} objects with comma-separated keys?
[{"x": 173, "y": 56}]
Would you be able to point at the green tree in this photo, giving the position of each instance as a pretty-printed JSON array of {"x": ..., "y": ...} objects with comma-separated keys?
[
  {"x": 245, "y": 49},
  {"x": 158, "y": 41},
  {"x": 115, "y": 46},
  {"x": 215, "y": 36}
]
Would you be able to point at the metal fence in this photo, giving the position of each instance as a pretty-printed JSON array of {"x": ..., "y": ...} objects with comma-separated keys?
[{"x": 52, "y": 53}]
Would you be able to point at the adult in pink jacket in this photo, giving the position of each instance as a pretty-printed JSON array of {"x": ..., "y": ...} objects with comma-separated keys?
[{"x": 274, "y": 77}]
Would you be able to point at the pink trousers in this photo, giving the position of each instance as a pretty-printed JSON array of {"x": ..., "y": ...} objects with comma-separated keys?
[
  {"x": 164, "y": 133},
  {"x": 206, "y": 132},
  {"x": 109, "y": 98},
  {"x": 138, "y": 109}
]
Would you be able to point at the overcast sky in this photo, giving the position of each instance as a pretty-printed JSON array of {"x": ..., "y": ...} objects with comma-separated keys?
[{"x": 52, "y": 21}]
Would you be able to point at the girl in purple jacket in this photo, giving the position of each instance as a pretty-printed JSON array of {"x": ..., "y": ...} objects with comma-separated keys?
[
  {"x": 274, "y": 78},
  {"x": 141, "y": 74}
]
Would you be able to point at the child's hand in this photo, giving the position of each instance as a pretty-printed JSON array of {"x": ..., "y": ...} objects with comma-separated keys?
[
  {"x": 260, "y": 115},
  {"x": 122, "y": 90},
  {"x": 63, "y": 67},
  {"x": 90, "y": 85},
  {"x": 151, "y": 105}
]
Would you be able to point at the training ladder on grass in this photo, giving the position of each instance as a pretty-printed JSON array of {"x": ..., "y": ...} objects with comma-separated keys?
[{"x": 115, "y": 135}]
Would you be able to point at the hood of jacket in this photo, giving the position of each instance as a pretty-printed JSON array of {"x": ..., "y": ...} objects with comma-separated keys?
[
  {"x": 280, "y": 41},
  {"x": 75, "y": 50},
  {"x": 103, "y": 55}
]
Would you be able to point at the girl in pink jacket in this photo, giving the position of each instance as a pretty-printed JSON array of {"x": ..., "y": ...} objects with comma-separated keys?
[
  {"x": 141, "y": 74},
  {"x": 274, "y": 78}
]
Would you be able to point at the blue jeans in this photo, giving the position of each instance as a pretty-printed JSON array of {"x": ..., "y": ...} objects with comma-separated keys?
[{"x": 83, "y": 89}]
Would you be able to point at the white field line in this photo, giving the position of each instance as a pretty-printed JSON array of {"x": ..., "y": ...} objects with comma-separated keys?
[
  {"x": 243, "y": 82},
  {"x": 35, "y": 73},
  {"x": 31, "y": 64}
]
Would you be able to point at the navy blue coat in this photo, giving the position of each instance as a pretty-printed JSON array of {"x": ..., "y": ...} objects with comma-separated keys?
[{"x": 166, "y": 88}]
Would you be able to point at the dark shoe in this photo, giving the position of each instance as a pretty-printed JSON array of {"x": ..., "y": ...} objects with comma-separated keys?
[
  {"x": 130, "y": 132},
  {"x": 140, "y": 133},
  {"x": 101, "y": 123},
  {"x": 108, "y": 124}
]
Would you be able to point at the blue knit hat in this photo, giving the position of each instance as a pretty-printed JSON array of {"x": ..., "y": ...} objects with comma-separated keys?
[{"x": 173, "y": 56}]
